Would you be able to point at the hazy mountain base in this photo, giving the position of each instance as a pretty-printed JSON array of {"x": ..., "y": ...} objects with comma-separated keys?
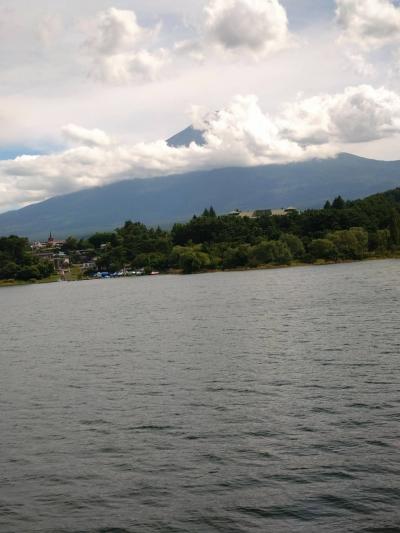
[{"x": 165, "y": 200}]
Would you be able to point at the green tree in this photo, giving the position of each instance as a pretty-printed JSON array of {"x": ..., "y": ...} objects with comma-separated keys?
[
  {"x": 18, "y": 261},
  {"x": 235, "y": 257},
  {"x": 266, "y": 252},
  {"x": 338, "y": 203},
  {"x": 351, "y": 244},
  {"x": 282, "y": 255},
  {"x": 46, "y": 269},
  {"x": 26, "y": 273},
  {"x": 294, "y": 244},
  {"x": 71, "y": 244},
  {"x": 262, "y": 253},
  {"x": 193, "y": 261},
  {"x": 103, "y": 238},
  {"x": 379, "y": 240},
  {"x": 8, "y": 270},
  {"x": 322, "y": 249},
  {"x": 15, "y": 248},
  {"x": 189, "y": 258},
  {"x": 154, "y": 260},
  {"x": 394, "y": 227}
]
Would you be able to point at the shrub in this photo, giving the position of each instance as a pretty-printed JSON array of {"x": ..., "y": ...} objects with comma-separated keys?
[
  {"x": 322, "y": 249},
  {"x": 271, "y": 252}
]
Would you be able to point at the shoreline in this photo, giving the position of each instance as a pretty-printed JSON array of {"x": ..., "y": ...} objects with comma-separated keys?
[{"x": 294, "y": 264}]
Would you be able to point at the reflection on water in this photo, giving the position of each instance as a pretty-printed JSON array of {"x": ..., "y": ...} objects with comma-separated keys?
[{"x": 252, "y": 401}]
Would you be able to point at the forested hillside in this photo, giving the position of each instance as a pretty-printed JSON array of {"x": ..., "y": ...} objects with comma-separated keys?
[{"x": 342, "y": 230}]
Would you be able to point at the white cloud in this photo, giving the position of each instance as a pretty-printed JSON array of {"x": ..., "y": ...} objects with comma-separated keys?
[
  {"x": 123, "y": 68},
  {"x": 116, "y": 30},
  {"x": 359, "y": 114},
  {"x": 370, "y": 24},
  {"x": 192, "y": 48},
  {"x": 83, "y": 136},
  {"x": 240, "y": 134},
  {"x": 258, "y": 26},
  {"x": 120, "y": 48},
  {"x": 231, "y": 28},
  {"x": 360, "y": 64}
]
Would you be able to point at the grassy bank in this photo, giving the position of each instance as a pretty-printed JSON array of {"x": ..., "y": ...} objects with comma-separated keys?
[{"x": 12, "y": 282}]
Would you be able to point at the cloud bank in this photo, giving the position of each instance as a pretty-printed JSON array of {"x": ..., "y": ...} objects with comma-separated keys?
[
  {"x": 370, "y": 24},
  {"x": 358, "y": 114},
  {"x": 240, "y": 134}
]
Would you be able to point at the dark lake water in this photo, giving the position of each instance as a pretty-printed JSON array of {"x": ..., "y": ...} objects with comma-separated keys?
[{"x": 262, "y": 401}]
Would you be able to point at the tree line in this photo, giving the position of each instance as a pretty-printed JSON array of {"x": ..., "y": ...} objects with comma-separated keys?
[{"x": 342, "y": 230}]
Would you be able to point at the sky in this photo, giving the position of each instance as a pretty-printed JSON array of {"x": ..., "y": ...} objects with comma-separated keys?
[{"x": 89, "y": 91}]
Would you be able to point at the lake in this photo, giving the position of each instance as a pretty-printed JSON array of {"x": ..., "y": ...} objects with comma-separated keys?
[{"x": 263, "y": 401}]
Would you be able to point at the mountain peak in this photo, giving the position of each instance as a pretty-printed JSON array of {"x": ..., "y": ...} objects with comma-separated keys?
[{"x": 186, "y": 137}]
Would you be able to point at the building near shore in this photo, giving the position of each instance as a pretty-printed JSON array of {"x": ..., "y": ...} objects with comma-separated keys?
[
  {"x": 50, "y": 250},
  {"x": 50, "y": 243},
  {"x": 256, "y": 213}
]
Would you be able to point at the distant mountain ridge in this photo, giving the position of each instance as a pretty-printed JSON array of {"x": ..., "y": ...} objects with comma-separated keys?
[{"x": 164, "y": 200}]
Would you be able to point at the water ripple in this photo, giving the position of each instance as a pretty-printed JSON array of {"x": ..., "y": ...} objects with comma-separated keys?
[{"x": 240, "y": 402}]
